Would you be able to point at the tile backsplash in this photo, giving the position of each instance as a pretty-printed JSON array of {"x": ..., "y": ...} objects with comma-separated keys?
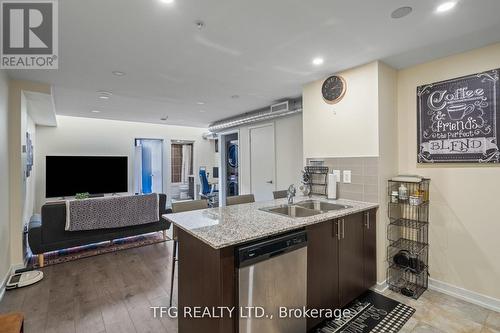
[{"x": 364, "y": 184}]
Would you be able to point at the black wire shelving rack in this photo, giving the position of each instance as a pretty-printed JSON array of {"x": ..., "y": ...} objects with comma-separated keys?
[
  {"x": 408, "y": 235},
  {"x": 318, "y": 179}
]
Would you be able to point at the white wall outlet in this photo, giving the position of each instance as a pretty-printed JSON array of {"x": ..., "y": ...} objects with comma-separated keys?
[
  {"x": 337, "y": 175},
  {"x": 347, "y": 176}
]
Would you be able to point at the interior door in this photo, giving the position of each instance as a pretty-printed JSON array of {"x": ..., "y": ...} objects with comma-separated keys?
[
  {"x": 150, "y": 159},
  {"x": 351, "y": 258},
  {"x": 262, "y": 162}
]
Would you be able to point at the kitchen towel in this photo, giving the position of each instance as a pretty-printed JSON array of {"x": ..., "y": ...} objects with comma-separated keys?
[{"x": 332, "y": 186}]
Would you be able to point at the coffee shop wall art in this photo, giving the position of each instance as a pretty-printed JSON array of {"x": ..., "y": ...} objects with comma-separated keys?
[{"x": 457, "y": 120}]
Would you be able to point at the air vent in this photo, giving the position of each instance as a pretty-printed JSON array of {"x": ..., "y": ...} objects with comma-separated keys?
[
  {"x": 283, "y": 106},
  {"x": 289, "y": 107}
]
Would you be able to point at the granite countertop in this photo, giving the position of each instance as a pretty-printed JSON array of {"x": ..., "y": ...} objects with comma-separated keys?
[{"x": 232, "y": 225}]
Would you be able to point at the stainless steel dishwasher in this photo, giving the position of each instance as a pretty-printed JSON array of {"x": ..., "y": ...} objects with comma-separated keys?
[{"x": 273, "y": 274}]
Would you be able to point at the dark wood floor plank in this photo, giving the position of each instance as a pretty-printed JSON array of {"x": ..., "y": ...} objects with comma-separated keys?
[
  {"x": 88, "y": 316},
  {"x": 144, "y": 321},
  {"x": 62, "y": 321},
  {"x": 36, "y": 302},
  {"x": 35, "y": 325},
  {"x": 115, "y": 315}
]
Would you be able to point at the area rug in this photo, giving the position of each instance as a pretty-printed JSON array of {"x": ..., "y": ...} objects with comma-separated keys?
[
  {"x": 370, "y": 313},
  {"x": 61, "y": 256}
]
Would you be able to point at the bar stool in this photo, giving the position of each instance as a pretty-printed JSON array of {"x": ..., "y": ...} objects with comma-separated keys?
[
  {"x": 12, "y": 323},
  {"x": 280, "y": 194},
  {"x": 179, "y": 207},
  {"x": 240, "y": 199}
]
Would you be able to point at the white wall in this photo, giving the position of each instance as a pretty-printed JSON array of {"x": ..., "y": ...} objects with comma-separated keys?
[
  {"x": 363, "y": 123},
  {"x": 464, "y": 222},
  {"x": 86, "y": 136},
  {"x": 348, "y": 128},
  {"x": 388, "y": 156},
  {"x": 288, "y": 148},
  {"x": 19, "y": 187},
  {"x": 4, "y": 180}
]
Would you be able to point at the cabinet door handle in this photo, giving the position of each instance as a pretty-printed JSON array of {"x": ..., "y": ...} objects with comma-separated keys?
[
  {"x": 338, "y": 230},
  {"x": 367, "y": 220},
  {"x": 343, "y": 228}
]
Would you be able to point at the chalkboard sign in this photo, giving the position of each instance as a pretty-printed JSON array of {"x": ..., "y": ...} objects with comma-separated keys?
[{"x": 457, "y": 120}]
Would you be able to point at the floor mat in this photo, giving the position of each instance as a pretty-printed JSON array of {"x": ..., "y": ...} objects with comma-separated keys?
[
  {"x": 370, "y": 313},
  {"x": 61, "y": 256}
]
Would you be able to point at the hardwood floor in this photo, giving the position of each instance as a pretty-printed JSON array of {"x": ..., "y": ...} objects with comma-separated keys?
[
  {"x": 107, "y": 293},
  {"x": 114, "y": 292}
]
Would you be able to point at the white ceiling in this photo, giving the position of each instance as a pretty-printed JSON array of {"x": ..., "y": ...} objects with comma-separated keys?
[{"x": 259, "y": 49}]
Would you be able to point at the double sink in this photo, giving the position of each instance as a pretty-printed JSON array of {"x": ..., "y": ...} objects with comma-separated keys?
[{"x": 305, "y": 208}]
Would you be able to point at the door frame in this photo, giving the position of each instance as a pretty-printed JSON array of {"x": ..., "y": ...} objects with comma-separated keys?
[
  {"x": 223, "y": 166},
  {"x": 250, "y": 128}
]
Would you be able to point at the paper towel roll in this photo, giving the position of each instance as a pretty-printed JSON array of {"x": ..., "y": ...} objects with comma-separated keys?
[{"x": 332, "y": 186}]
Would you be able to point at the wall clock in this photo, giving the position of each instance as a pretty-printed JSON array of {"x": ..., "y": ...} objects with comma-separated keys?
[{"x": 333, "y": 89}]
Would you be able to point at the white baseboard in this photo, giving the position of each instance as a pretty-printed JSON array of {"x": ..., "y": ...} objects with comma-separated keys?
[
  {"x": 380, "y": 287},
  {"x": 11, "y": 271},
  {"x": 466, "y": 295},
  {"x": 451, "y": 290}
]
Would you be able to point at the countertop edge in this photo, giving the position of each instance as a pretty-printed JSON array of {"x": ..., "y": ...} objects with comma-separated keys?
[{"x": 327, "y": 217}]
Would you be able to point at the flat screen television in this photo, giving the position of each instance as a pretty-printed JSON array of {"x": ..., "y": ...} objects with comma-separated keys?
[{"x": 69, "y": 175}]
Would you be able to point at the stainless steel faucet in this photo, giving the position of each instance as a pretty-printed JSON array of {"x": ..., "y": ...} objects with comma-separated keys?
[{"x": 290, "y": 193}]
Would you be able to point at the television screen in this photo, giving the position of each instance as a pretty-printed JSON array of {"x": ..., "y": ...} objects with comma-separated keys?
[{"x": 69, "y": 175}]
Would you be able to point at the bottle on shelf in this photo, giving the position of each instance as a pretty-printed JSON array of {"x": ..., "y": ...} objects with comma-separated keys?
[{"x": 403, "y": 192}]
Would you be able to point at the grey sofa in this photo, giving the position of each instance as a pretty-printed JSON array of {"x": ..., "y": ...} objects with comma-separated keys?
[{"x": 46, "y": 232}]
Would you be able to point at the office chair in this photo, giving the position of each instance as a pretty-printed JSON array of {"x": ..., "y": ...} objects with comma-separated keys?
[{"x": 206, "y": 191}]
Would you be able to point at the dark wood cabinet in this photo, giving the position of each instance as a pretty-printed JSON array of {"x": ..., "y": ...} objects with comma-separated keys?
[
  {"x": 322, "y": 268},
  {"x": 341, "y": 261},
  {"x": 341, "y": 265},
  {"x": 206, "y": 278},
  {"x": 370, "y": 249},
  {"x": 351, "y": 257}
]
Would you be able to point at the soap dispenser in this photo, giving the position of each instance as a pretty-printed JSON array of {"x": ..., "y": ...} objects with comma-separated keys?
[{"x": 403, "y": 192}]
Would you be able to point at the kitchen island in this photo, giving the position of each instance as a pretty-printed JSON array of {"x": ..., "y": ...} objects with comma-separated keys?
[{"x": 341, "y": 255}]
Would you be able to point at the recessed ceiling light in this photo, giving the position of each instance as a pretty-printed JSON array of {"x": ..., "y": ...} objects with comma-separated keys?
[
  {"x": 401, "y": 12},
  {"x": 446, "y": 6},
  {"x": 199, "y": 24},
  {"x": 95, "y": 111},
  {"x": 318, "y": 61},
  {"x": 118, "y": 73},
  {"x": 200, "y": 103},
  {"x": 168, "y": 2}
]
